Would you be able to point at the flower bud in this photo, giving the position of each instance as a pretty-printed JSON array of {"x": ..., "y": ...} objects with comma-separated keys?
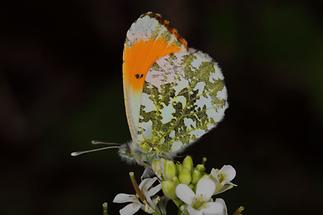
[
  {"x": 196, "y": 175},
  {"x": 179, "y": 167},
  {"x": 185, "y": 176},
  {"x": 175, "y": 179},
  {"x": 169, "y": 189},
  {"x": 200, "y": 167},
  {"x": 188, "y": 163},
  {"x": 169, "y": 170}
]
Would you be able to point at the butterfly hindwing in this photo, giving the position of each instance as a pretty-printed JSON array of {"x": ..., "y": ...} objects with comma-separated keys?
[{"x": 183, "y": 97}]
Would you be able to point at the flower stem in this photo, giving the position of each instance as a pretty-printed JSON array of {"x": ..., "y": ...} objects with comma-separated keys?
[
  {"x": 105, "y": 208},
  {"x": 136, "y": 187}
]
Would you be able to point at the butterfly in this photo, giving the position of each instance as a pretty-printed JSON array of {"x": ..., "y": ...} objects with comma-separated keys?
[{"x": 173, "y": 94}]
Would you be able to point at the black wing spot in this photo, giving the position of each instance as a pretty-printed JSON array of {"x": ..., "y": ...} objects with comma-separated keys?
[{"x": 139, "y": 75}]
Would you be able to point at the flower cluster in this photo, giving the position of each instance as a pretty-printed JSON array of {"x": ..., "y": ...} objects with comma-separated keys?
[
  {"x": 191, "y": 188},
  {"x": 180, "y": 180}
]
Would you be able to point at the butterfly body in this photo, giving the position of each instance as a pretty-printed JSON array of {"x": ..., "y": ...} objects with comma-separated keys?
[{"x": 173, "y": 94}]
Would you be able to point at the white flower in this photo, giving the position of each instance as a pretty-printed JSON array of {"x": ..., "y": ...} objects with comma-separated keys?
[
  {"x": 223, "y": 178},
  {"x": 200, "y": 203},
  {"x": 225, "y": 175},
  {"x": 149, "y": 202}
]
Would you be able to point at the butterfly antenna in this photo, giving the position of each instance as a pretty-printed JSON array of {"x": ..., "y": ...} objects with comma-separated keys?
[
  {"x": 95, "y": 142},
  {"x": 93, "y": 150}
]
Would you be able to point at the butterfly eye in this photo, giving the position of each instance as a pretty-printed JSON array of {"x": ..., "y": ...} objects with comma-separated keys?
[{"x": 139, "y": 75}]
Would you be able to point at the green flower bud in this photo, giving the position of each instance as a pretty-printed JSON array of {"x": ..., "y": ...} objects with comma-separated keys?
[
  {"x": 179, "y": 167},
  {"x": 185, "y": 176},
  {"x": 175, "y": 179},
  {"x": 188, "y": 163},
  {"x": 169, "y": 189},
  {"x": 169, "y": 170},
  {"x": 196, "y": 175},
  {"x": 200, "y": 167}
]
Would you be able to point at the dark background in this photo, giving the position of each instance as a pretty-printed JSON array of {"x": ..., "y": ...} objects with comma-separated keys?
[{"x": 61, "y": 86}]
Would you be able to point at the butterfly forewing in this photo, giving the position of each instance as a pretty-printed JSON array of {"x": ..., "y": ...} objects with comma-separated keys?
[
  {"x": 148, "y": 39},
  {"x": 183, "y": 97}
]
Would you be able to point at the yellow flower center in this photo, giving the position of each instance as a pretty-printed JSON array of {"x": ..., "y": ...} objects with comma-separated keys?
[{"x": 198, "y": 202}]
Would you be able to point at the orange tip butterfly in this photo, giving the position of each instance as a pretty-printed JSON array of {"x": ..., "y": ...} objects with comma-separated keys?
[{"x": 173, "y": 94}]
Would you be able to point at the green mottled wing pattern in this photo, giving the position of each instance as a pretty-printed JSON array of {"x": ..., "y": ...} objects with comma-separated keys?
[{"x": 184, "y": 96}]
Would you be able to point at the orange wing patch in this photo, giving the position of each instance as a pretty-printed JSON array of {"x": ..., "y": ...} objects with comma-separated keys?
[{"x": 139, "y": 58}]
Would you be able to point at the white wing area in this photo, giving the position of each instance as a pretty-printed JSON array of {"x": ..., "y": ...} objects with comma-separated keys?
[{"x": 142, "y": 29}]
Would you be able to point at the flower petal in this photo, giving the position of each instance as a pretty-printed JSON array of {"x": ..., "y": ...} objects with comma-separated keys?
[
  {"x": 229, "y": 172},
  {"x": 143, "y": 182},
  {"x": 148, "y": 173},
  {"x": 130, "y": 209},
  {"x": 215, "y": 208},
  {"x": 193, "y": 211},
  {"x": 221, "y": 201},
  {"x": 205, "y": 188},
  {"x": 185, "y": 193},
  {"x": 154, "y": 190},
  {"x": 147, "y": 183},
  {"x": 123, "y": 197}
]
